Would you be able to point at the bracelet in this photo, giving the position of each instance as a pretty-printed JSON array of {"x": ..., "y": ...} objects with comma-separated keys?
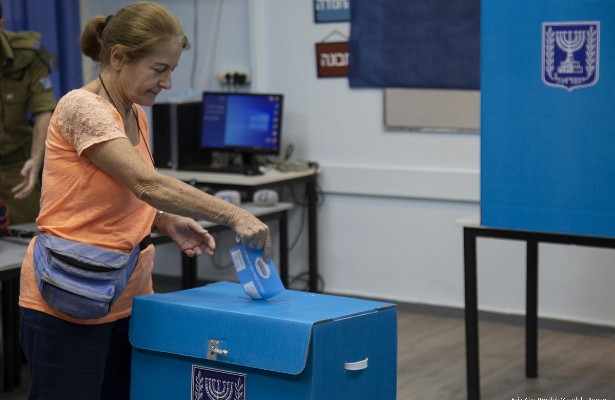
[{"x": 157, "y": 220}]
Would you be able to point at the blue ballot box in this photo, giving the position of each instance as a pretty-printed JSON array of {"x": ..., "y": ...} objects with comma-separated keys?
[
  {"x": 215, "y": 343},
  {"x": 548, "y": 115}
]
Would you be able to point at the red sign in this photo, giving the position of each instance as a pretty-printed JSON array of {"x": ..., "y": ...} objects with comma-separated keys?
[{"x": 332, "y": 59}]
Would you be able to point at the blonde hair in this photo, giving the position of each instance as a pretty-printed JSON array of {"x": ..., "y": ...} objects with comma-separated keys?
[{"x": 138, "y": 28}]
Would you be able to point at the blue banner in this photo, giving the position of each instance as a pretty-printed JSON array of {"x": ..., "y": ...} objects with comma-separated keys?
[{"x": 429, "y": 44}]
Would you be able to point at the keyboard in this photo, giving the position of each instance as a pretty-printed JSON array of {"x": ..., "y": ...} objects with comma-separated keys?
[{"x": 225, "y": 169}]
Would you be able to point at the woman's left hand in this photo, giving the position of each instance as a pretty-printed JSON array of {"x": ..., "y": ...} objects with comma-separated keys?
[{"x": 191, "y": 237}]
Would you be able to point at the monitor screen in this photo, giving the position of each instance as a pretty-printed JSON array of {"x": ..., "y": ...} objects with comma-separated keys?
[{"x": 241, "y": 122}]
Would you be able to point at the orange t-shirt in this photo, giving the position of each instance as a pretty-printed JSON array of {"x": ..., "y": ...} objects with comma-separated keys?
[{"x": 81, "y": 202}]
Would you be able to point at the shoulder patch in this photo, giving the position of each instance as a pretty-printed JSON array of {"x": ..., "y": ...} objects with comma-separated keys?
[{"x": 46, "y": 82}]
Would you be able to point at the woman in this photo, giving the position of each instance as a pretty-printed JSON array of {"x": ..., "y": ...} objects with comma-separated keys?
[{"x": 101, "y": 189}]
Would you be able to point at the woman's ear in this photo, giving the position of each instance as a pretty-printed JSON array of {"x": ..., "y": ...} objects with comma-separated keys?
[{"x": 117, "y": 58}]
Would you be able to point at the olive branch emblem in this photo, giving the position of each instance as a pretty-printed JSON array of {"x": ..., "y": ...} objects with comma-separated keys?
[
  {"x": 214, "y": 384},
  {"x": 570, "y": 41}
]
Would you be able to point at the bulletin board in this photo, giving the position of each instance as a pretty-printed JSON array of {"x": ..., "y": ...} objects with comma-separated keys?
[{"x": 432, "y": 110}]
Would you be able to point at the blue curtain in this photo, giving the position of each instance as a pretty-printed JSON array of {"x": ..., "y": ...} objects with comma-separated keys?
[
  {"x": 429, "y": 44},
  {"x": 58, "y": 22}
]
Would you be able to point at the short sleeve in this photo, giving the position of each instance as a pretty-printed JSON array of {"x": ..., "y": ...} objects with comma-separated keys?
[
  {"x": 41, "y": 96},
  {"x": 85, "y": 119}
]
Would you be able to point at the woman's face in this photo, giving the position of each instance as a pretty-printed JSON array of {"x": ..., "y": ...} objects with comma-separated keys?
[{"x": 143, "y": 79}]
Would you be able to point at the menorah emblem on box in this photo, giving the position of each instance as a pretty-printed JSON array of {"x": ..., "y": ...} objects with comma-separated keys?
[
  {"x": 570, "y": 54},
  {"x": 214, "y": 384}
]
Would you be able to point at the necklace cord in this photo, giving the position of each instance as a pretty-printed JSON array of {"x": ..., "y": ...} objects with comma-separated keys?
[{"x": 133, "y": 113}]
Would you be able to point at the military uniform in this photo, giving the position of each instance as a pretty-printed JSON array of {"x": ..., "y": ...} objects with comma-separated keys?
[{"x": 25, "y": 90}]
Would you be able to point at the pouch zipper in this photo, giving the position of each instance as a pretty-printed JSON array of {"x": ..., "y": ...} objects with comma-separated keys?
[{"x": 76, "y": 263}]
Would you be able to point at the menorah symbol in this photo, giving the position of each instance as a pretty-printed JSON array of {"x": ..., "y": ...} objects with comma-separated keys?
[
  {"x": 570, "y": 42},
  {"x": 218, "y": 389}
]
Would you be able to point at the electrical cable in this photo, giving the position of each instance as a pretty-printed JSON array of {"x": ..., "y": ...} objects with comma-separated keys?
[
  {"x": 216, "y": 263},
  {"x": 294, "y": 242},
  {"x": 4, "y": 219},
  {"x": 195, "y": 46},
  {"x": 304, "y": 276},
  {"x": 319, "y": 194}
]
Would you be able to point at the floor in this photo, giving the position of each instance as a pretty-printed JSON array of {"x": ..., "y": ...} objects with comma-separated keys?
[{"x": 431, "y": 362}]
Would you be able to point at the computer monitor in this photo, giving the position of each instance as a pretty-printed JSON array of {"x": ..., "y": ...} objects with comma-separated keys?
[{"x": 246, "y": 123}]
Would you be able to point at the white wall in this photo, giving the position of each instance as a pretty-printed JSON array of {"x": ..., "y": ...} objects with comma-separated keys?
[{"x": 387, "y": 226}]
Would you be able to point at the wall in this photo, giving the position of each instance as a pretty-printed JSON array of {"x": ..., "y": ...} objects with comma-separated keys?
[{"x": 391, "y": 198}]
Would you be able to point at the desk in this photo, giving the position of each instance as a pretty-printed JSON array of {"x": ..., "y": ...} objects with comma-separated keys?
[
  {"x": 10, "y": 266},
  {"x": 277, "y": 212},
  {"x": 471, "y": 231},
  {"x": 270, "y": 179}
]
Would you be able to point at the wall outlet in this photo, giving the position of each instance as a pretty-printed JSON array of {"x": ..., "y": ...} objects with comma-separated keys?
[{"x": 233, "y": 76}]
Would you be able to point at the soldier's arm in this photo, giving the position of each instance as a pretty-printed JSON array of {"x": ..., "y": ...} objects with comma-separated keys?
[
  {"x": 32, "y": 167},
  {"x": 39, "y": 134}
]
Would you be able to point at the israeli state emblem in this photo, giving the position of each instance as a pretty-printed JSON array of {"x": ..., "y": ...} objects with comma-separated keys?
[
  {"x": 214, "y": 384},
  {"x": 570, "y": 54}
]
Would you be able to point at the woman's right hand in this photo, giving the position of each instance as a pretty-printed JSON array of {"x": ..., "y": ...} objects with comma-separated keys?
[{"x": 253, "y": 233}]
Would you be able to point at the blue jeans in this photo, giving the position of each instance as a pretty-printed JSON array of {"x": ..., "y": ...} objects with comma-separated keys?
[{"x": 74, "y": 361}]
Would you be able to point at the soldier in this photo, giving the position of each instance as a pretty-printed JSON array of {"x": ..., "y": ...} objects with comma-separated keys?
[{"x": 26, "y": 106}]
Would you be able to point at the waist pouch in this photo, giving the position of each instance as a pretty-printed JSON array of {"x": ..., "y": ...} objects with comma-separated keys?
[{"x": 81, "y": 280}]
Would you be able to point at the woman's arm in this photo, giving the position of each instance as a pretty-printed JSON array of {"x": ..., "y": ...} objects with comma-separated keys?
[{"x": 119, "y": 159}]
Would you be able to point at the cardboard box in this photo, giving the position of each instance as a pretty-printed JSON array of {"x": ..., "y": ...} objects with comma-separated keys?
[
  {"x": 547, "y": 121},
  {"x": 215, "y": 343}
]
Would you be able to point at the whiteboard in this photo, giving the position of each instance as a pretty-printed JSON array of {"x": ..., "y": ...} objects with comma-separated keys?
[{"x": 432, "y": 109}]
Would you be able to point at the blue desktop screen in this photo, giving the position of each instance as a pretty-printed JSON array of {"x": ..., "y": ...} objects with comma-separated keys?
[{"x": 241, "y": 121}]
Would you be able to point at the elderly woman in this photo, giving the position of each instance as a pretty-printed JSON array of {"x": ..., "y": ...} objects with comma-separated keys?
[{"x": 101, "y": 197}]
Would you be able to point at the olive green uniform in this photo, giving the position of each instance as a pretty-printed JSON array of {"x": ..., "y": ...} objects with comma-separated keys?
[{"x": 25, "y": 90}]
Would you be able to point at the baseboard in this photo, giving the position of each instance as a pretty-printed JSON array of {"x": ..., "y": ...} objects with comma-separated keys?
[{"x": 512, "y": 319}]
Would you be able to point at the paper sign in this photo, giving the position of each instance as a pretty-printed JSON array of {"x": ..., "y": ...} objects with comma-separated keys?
[
  {"x": 332, "y": 59},
  {"x": 259, "y": 278},
  {"x": 331, "y": 10}
]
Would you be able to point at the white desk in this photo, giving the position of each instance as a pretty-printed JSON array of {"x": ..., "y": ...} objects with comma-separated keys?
[
  {"x": 13, "y": 252},
  {"x": 271, "y": 179}
]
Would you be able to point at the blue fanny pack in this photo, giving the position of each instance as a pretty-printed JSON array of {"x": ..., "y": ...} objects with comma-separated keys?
[{"x": 82, "y": 280}]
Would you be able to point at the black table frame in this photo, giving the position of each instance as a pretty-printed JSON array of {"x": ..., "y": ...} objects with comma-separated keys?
[
  {"x": 10, "y": 323},
  {"x": 311, "y": 187},
  {"x": 532, "y": 240}
]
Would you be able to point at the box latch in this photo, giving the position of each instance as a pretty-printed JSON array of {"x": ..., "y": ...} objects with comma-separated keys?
[{"x": 213, "y": 350}]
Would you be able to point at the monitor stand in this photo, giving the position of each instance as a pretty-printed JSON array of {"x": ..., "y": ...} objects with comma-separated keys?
[{"x": 250, "y": 164}]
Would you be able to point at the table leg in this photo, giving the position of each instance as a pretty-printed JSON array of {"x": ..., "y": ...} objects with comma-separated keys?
[
  {"x": 312, "y": 196},
  {"x": 17, "y": 359},
  {"x": 284, "y": 248},
  {"x": 471, "y": 315},
  {"x": 531, "y": 316},
  {"x": 10, "y": 329},
  {"x": 189, "y": 267}
]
